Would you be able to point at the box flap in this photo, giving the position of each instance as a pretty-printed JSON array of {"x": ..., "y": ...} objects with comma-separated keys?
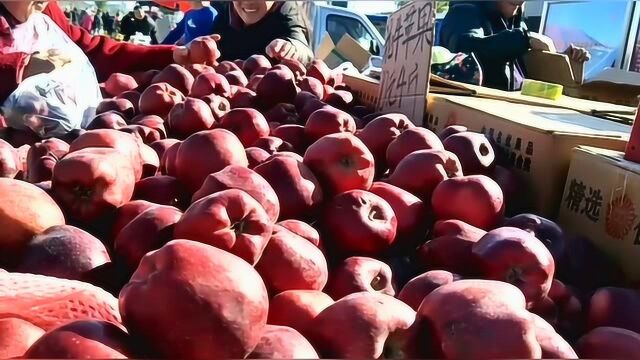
[
  {"x": 554, "y": 68},
  {"x": 351, "y": 50},
  {"x": 325, "y": 47},
  {"x": 611, "y": 156},
  {"x": 545, "y": 119}
]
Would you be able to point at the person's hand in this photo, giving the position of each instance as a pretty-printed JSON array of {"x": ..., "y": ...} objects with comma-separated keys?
[
  {"x": 45, "y": 62},
  {"x": 182, "y": 54},
  {"x": 281, "y": 49},
  {"x": 541, "y": 42},
  {"x": 577, "y": 54}
]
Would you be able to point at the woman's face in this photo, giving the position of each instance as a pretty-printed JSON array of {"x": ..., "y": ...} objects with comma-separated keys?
[{"x": 252, "y": 11}]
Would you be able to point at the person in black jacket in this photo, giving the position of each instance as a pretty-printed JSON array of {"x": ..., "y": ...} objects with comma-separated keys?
[
  {"x": 138, "y": 21},
  {"x": 495, "y": 32},
  {"x": 276, "y": 29}
]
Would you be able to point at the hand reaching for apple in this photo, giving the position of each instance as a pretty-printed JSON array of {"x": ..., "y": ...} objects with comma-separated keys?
[
  {"x": 578, "y": 54},
  {"x": 201, "y": 50},
  {"x": 281, "y": 49},
  {"x": 45, "y": 62}
]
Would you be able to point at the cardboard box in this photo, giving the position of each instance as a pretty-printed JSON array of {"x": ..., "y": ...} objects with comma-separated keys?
[
  {"x": 612, "y": 85},
  {"x": 346, "y": 50},
  {"x": 601, "y": 201},
  {"x": 536, "y": 140}
]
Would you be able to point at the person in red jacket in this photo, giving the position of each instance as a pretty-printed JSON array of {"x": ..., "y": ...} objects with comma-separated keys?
[{"x": 20, "y": 58}]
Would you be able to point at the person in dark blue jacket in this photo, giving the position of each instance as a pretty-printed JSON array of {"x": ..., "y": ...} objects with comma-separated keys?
[
  {"x": 495, "y": 32},
  {"x": 198, "y": 21}
]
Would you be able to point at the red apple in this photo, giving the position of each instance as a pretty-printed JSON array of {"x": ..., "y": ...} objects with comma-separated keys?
[
  {"x": 243, "y": 98},
  {"x": 294, "y": 135},
  {"x": 410, "y": 212},
  {"x": 127, "y": 212},
  {"x": 318, "y": 69},
  {"x": 450, "y": 247},
  {"x": 451, "y": 130},
  {"x": 380, "y": 132},
  {"x": 146, "y": 232},
  {"x": 247, "y": 180},
  {"x": 146, "y": 134},
  {"x": 254, "y": 81},
  {"x": 302, "y": 229},
  {"x": 553, "y": 346},
  {"x": 609, "y": 343},
  {"x": 282, "y": 113},
  {"x": 421, "y": 171},
  {"x": 144, "y": 78},
  {"x": 162, "y": 190},
  {"x": 298, "y": 189},
  {"x": 218, "y": 105},
  {"x": 247, "y": 124},
  {"x": 254, "y": 63},
  {"x": 327, "y": 121},
  {"x": 282, "y": 342},
  {"x": 295, "y": 66},
  {"x": 236, "y": 77},
  {"x": 16, "y": 336},
  {"x": 272, "y": 145},
  {"x": 90, "y": 339},
  {"x": 340, "y": 99},
  {"x": 410, "y": 140},
  {"x": 9, "y": 162},
  {"x": 227, "y": 302},
  {"x": 360, "y": 222},
  {"x": 256, "y": 156},
  {"x": 65, "y": 252},
  {"x": 176, "y": 76},
  {"x": 313, "y": 86},
  {"x": 477, "y": 319},
  {"x": 419, "y": 287},
  {"x": 133, "y": 96},
  {"x": 231, "y": 220},
  {"x": 277, "y": 86},
  {"x": 126, "y": 144},
  {"x": 150, "y": 161},
  {"x": 356, "y": 274},
  {"x": 515, "y": 256},
  {"x": 476, "y": 200},
  {"x": 206, "y": 152},
  {"x": 208, "y": 84},
  {"x": 189, "y": 117},
  {"x": 341, "y": 162},
  {"x": 297, "y": 308},
  {"x": 543, "y": 229},
  {"x": 168, "y": 164},
  {"x": 161, "y": 146},
  {"x": 118, "y": 83},
  {"x": 107, "y": 120},
  {"x": 197, "y": 69},
  {"x": 474, "y": 151},
  {"x": 154, "y": 122},
  {"x": 616, "y": 307},
  {"x": 121, "y": 106},
  {"x": 158, "y": 99},
  {"x": 203, "y": 50},
  {"x": 48, "y": 302},
  {"x": 225, "y": 66},
  {"x": 92, "y": 182},
  {"x": 362, "y": 325},
  {"x": 291, "y": 262}
]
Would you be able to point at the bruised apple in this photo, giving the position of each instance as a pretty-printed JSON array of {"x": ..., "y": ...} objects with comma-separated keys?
[
  {"x": 357, "y": 274},
  {"x": 227, "y": 302},
  {"x": 231, "y": 220}
]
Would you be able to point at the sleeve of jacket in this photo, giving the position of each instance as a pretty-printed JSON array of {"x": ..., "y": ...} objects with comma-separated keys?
[
  {"x": 109, "y": 56},
  {"x": 174, "y": 35},
  {"x": 297, "y": 33},
  {"x": 11, "y": 68},
  {"x": 464, "y": 33}
]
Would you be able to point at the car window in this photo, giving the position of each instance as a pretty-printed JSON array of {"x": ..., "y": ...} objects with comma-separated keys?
[{"x": 338, "y": 25}]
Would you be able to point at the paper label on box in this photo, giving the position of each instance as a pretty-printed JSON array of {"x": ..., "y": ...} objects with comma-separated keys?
[{"x": 404, "y": 83}]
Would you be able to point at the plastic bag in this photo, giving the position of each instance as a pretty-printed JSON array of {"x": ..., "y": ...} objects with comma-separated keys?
[{"x": 52, "y": 104}]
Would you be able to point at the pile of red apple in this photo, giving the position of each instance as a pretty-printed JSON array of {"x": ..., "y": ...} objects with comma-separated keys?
[{"x": 250, "y": 210}]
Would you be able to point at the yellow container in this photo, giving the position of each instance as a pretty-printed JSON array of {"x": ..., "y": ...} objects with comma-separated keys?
[{"x": 541, "y": 89}]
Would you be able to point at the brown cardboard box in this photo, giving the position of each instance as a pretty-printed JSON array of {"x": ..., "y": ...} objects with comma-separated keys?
[
  {"x": 601, "y": 200},
  {"x": 612, "y": 85},
  {"x": 535, "y": 140},
  {"x": 347, "y": 49}
]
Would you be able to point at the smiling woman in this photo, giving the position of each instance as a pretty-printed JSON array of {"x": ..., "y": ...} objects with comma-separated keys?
[{"x": 273, "y": 28}]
